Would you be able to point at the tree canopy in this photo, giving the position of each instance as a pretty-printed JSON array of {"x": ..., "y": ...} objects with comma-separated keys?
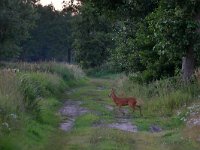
[
  {"x": 50, "y": 39},
  {"x": 17, "y": 17},
  {"x": 153, "y": 39}
]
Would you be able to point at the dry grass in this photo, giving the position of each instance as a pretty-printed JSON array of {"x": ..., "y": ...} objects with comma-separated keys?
[
  {"x": 29, "y": 97},
  {"x": 48, "y": 67},
  {"x": 10, "y": 97}
]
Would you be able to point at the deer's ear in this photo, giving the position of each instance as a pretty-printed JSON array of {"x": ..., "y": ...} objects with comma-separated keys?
[{"x": 113, "y": 90}]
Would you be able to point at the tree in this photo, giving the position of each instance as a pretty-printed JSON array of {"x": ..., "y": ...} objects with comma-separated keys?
[
  {"x": 92, "y": 36},
  {"x": 166, "y": 31},
  {"x": 51, "y": 39},
  {"x": 172, "y": 31},
  {"x": 17, "y": 17},
  {"x": 126, "y": 16}
]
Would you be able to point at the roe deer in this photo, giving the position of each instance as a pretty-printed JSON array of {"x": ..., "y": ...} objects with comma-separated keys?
[{"x": 130, "y": 101}]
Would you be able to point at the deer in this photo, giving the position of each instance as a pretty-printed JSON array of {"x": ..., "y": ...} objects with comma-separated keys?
[{"x": 125, "y": 101}]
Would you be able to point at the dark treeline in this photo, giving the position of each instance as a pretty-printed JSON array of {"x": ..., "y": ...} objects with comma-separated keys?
[
  {"x": 152, "y": 38},
  {"x": 31, "y": 32},
  {"x": 17, "y": 17},
  {"x": 50, "y": 39}
]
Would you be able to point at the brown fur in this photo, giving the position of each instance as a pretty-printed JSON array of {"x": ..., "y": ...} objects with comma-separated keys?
[{"x": 125, "y": 101}]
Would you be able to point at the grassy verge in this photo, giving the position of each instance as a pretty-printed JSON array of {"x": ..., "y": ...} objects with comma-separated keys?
[{"x": 29, "y": 97}]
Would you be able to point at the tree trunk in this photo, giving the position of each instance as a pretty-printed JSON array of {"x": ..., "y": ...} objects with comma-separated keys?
[
  {"x": 69, "y": 59},
  {"x": 188, "y": 60},
  {"x": 188, "y": 65}
]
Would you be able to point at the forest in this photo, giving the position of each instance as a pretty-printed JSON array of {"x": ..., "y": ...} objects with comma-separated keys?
[{"x": 52, "y": 61}]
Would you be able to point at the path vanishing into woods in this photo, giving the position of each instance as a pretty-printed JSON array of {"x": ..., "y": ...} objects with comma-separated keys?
[{"x": 90, "y": 120}]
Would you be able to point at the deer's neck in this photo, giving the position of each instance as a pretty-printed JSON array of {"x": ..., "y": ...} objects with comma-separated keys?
[{"x": 114, "y": 96}]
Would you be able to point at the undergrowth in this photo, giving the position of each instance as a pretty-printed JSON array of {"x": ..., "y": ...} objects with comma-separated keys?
[
  {"x": 161, "y": 97},
  {"x": 164, "y": 102},
  {"x": 29, "y": 98}
]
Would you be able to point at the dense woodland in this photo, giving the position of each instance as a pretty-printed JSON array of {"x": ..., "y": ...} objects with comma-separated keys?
[{"x": 153, "y": 39}]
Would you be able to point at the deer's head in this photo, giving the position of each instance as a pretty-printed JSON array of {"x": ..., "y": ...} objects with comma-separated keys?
[{"x": 112, "y": 92}]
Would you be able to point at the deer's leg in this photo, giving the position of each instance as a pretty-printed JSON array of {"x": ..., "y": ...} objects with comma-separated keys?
[
  {"x": 133, "y": 108},
  {"x": 120, "y": 110},
  {"x": 140, "y": 110}
]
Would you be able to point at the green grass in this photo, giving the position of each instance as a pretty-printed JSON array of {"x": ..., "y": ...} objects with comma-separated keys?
[
  {"x": 29, "y": 99},
  {"x": 10, "y": 97},
  {"x": 166, "y": 123},
  {"x": 87, "y": 135},
  {"x": 86, "y": 121},
  {"x": 35, "y": 131},
  {"x": 35, "y": 86},
  {"x": 161, "y": 97}
]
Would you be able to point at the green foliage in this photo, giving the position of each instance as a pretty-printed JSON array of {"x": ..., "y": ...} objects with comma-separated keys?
[
  {"x": 17, "y": 17},
  {"x": 51, "y": 38},
  {"x": 91, "y": 37},
  {"x": 151, "y": 37},
  {"x": 124, "y": 8},
  {"x": 127, "y": 14},
  {"x": 103, "y": 70},
  {"x": 124, "y": 57},
  {"x": 164, "y": 37}
]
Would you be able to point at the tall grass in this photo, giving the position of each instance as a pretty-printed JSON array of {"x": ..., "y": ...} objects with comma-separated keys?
[
  {"x": 161, "y": 97},
  {"x": 66, "y": 71},
  {"x": 11, "y": 102},
  {"x": 11, "y": 99},
  {"x": 36, "y": 86},
  {"x": 29, "y": 94}
]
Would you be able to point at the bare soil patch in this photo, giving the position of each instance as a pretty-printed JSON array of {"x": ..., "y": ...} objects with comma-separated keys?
[{"x": 70, "y": 110}]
